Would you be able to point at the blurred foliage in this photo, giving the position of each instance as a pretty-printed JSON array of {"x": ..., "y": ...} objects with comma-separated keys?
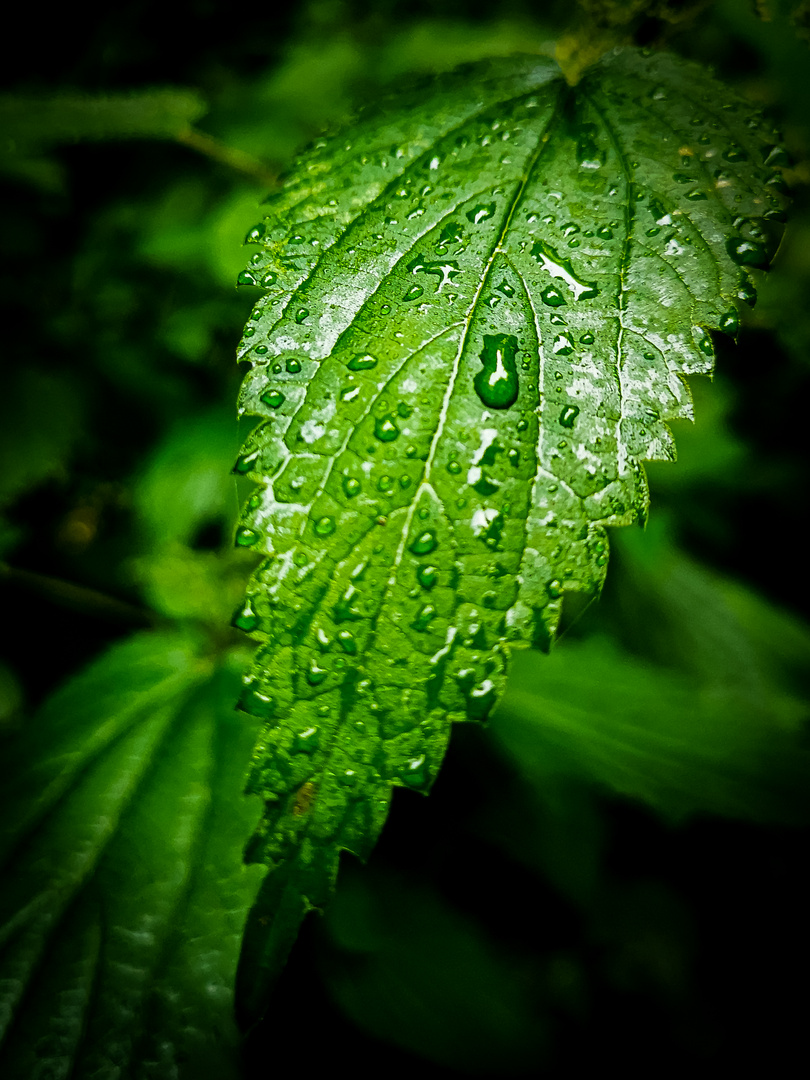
[{"x": 541, "y": 910}]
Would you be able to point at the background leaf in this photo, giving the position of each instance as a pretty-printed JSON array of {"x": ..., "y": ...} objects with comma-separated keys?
[{"x": 125, "y": 892}]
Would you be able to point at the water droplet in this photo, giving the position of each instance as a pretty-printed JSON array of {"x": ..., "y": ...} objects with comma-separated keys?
[
  {"x": 505, "y": 288},
  {"x": 774, "y": 157},
  {"x": 747, "y": 252},
  {"x": 273, "y": 399},
  {"x": 551, "y": 296},
  {"x": 424, "y": 543},
  {"x": 269, "y": 279},
  {"x": 306, "y": 741},
  {"x": 245, "y": 462},
  {"x": 427, "y": 576},
  {"x": 604, "y": 233},
  {"x": 385, "y": 428},
  {"x": 362, "y": 362},
  {"x": 587, "y": 338},
  {"x": 351, "y": 486},
  {"x": 554, "y": 589},
  {"x": 703, "y": 341},
  {"x": 324, "y": 526},
  {"x": 569, "y": 415},
  {"x": 413, "y": 293},
  {"x": 347, "y": 642},
  {"x": 316, "y": 674},
  {"x": 245, "y": 618},
  {"x": 416, "y": 775},
  {"x": 481, "y": 213},
  {"x": 245, "y": 277},
  {"x": 747, "y": 293},
  {"x": 497, "y": 384},
  {"x": 293, "y": 366},
  {"x": 453, "y": 467},
  {"x": 302, "y": 315},
  {"x": 696, "y": 196},
  {"x": 345, "y": 609},
  {"x": 562, "y": 345},
  {"x": 246, "y": 537},
  {"x": 254, "y": 701},
  {"x": 730, "y": 322},
  {"x": 423, "y": 620},
  {"x": 255, "y": 234}
]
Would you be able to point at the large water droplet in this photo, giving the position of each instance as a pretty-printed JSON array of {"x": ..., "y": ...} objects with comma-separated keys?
[
  {"x": 568, "y": 415},
  {"x": 302, "y": 315},
  {"x": 245, "y": 277},
  {"x": 362, "y": 362},
  {"x": 324, "y": 526},
  {"x": 497, "y": 383},
  {"x": 385, "y": 428},
  {"x": 427, "y": 576},
  {"x": 551, "y": 296},
  {"x": 246, "y": 462},
  {"x": 748, "y": 252},
  {"x": 246, "y": 537},
  {"x": 413, "y": 293},
  {"x": 351, "y": 486},
  {"x": 292, "y": 365},
  {"x": 245, "y": 618},
  {"x": 424, "y": 543},
  {"x": 255, "y": 234},
  {"x": 423, "y": 620},
  {"x": 272, "y": 398},
  {"x": 481, "y": 212}
]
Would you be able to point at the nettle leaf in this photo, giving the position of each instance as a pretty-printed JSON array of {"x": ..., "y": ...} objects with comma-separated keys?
[
  {"x": 123, "y": 890},
  {"x": 479, "y": 307}
]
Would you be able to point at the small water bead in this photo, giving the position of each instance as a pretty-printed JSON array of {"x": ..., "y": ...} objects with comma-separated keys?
[
  {"x": 306, "y": 741},
  {"x": 416, "y": 775},
  {"x": 255, "y": 234},
  {"x": 277, "y": 369},
  {"x": 245, "y": 277},
  {"x": 252, "y": 700},
  {"x": 556, "y": 319},
  {"x": 273, "y": 399},
  {"x": 249, "y": 331},
  {"x": 747, "y": 293},
  {"x": 569, "y": 228},
  {"x": 255, "y": 501},
  {"x": 568, "y": 416},
  {"x": 385, "y": 428},
  {"x": 405, "y": 482},
  {"x": 256, "y": 260},
  {"x": 424, "y": 543},
  {"x": 453, "y": 468},
  {"x": 324, "y": 526},
  {"x": 552, "y": 296},
  {"x": 348, "y": 778},
  {"x": 385, "y": 309},
  {"x": 261, "y": 350},
  {"x": 425, "y": 617},
  {"x": 554, "y": 589},
  {"x": 302, "y": 315},
  {"x": 347, "y": 642},
  {"x": 696, "y": 196},
  {"x": 604, "y": 233},
  {"x": 730, "y": 322},
  {"x": 413, "y": 293},
  {"x": 351, "y": 486},
  {"x": 522, "y": 424},
  {"x": 362, "y": 362},
  {"x": 385, "y": 483},
  {"x": 427, "y": 576},
  {"x": 315, "y": 674},
  {"x": 292, "y": 365},
  {"x": 246, "y": 537},
  {"x": 346, "y": 610},
  {"x": 505, "y": 288},
  {"x": 269, "y": 279},
  {"x": 245, "y": 618},
  {"x": 703, "y": 341},
  {"x": 587, "y": 338},
  {"x": 481, "y": 212},
  {"x": 246, "y": 462},
  {"x": 775, "y": 157},
  {"x": 748, "y": 252}
]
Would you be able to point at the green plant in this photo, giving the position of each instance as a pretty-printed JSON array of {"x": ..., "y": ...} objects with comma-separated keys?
[{"x": 415, "y": 530}]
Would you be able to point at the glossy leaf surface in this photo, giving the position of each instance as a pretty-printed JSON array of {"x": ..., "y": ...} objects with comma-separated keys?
[{"x": 480, "y": 305}]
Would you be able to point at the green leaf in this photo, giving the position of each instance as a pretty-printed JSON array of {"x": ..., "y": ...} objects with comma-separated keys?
[
  {"x": 124, "y": 892},
  {"x": 480, "y": 305}
]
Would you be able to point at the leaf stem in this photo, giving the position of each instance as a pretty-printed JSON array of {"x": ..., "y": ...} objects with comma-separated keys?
[
  {"x": 229, "y": 155},
  {"x": 79, "y": 597}
]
